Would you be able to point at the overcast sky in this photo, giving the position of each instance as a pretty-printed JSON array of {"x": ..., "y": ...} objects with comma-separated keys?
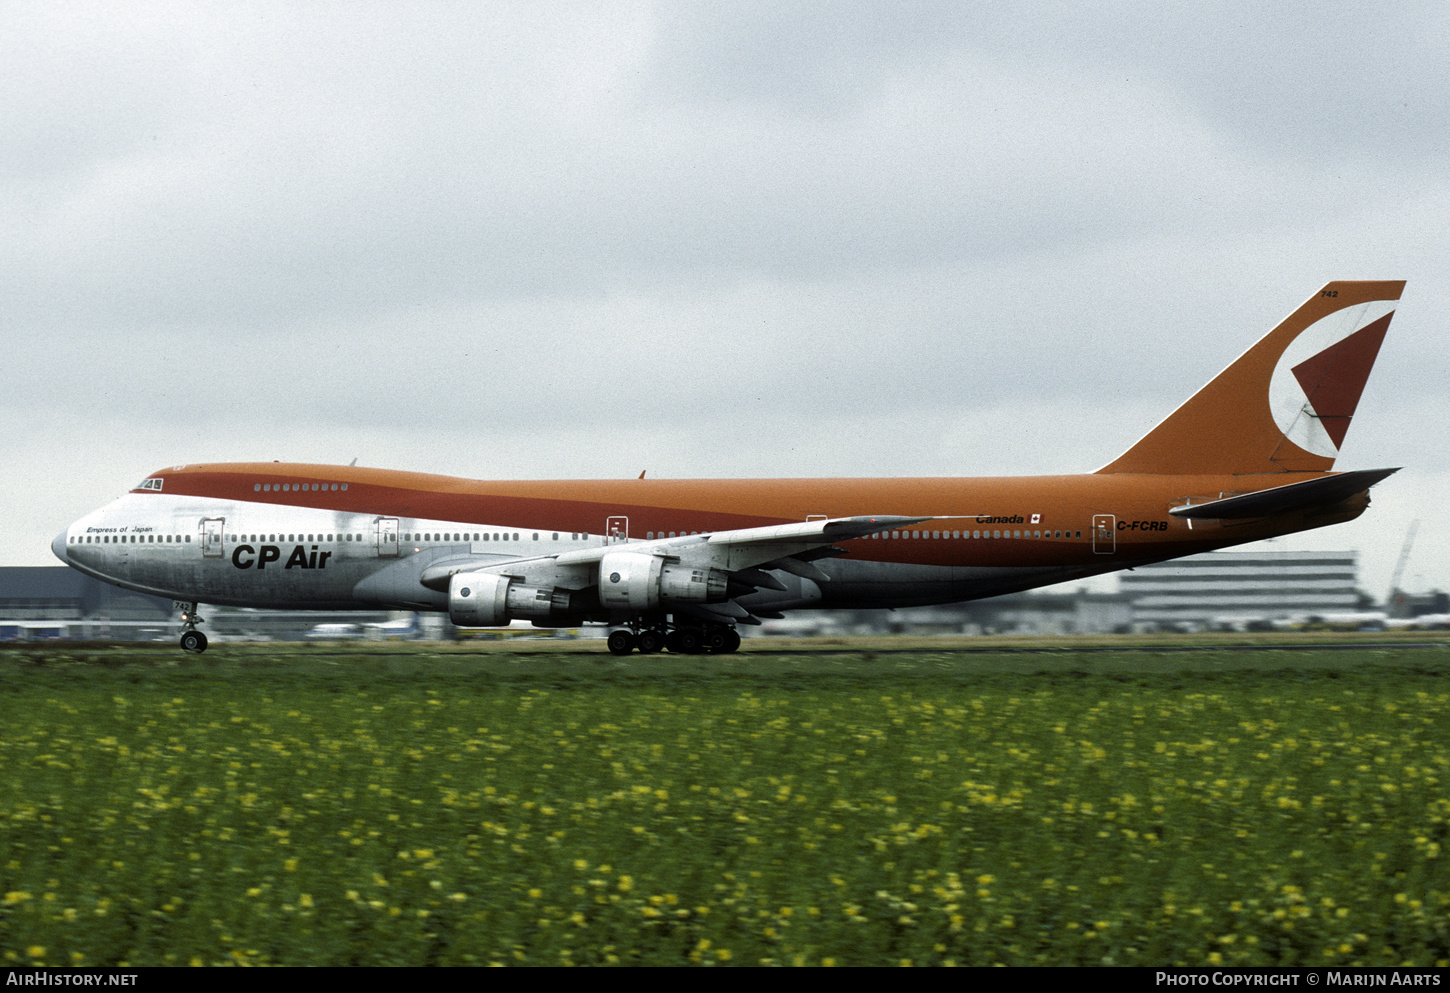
[{"x": 718, "y": 239}]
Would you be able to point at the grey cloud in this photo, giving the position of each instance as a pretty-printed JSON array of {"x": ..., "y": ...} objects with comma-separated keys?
[{"x": 736, "y": 239}]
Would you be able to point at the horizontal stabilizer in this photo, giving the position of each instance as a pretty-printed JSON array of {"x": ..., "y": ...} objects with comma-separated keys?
[{"x": 1280, "y": 499}]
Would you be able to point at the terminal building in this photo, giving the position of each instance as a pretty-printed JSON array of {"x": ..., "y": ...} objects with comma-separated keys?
[
  {"x": 38, "y": 603},
  {"x": 1243, "y": 589}
]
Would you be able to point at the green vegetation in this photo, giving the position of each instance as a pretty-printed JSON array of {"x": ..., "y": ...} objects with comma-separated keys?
[{"x": 452, "y": 805}]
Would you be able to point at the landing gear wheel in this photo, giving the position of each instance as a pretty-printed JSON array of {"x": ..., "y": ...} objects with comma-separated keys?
[
  {"x": 621, "y": 642},
  {"x": 715, "y": 640},
  {"x": 650, "y": 642},
  {"x": 732, "y": 641},
  {"x": 689, "y": 640},
  {"x": 192, "y": 640}
]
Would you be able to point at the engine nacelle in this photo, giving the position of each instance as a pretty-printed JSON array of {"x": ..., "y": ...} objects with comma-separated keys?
[
  {"x": 630, "y": 580},
  {"x": 638, "y": 581},
  {"x": 478, "y": 599},
  {"x": 482, "y": 599}
]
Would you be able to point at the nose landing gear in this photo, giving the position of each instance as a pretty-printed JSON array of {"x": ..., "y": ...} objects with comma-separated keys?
[{"x": 192, "y": 640}]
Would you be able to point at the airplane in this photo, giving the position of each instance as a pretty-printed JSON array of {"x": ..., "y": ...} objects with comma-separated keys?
[{"x": 680, "y": 564}]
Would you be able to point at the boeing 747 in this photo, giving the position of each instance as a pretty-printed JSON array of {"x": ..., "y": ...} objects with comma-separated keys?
[{"x": 679, "y": 564}]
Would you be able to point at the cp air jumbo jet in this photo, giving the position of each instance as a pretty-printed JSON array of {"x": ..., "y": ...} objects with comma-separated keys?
[{"x": 678, "y": 564}]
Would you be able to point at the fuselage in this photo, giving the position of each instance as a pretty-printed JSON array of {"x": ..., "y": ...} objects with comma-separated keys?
[{"x": 325, "y": 537}]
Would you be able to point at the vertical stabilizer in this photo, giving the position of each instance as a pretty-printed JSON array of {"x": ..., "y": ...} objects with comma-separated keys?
[{"x": 1286, "y": 403}]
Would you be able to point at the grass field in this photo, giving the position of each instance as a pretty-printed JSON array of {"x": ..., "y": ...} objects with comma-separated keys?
[{"x": 338, "y": 805}]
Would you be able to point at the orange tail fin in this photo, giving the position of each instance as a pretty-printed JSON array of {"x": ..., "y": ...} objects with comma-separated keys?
[{"x": 1285, "y": 404}]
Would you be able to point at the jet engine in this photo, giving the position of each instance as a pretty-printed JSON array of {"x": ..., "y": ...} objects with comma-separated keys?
[
  {"x": 481, "y": 599},
  {"x": 637, "y": 581}
]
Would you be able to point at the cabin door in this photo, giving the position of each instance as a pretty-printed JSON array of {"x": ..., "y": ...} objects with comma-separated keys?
[
  {"x": 387, "y": 537},
  {"x": 211, "y": 537},
  {"x": 1105, "y": 539}
]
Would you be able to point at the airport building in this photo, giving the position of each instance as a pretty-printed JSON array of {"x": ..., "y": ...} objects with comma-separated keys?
[
  {"x": 38, "y": 603},
  {"x": 1243, "y": 589}
]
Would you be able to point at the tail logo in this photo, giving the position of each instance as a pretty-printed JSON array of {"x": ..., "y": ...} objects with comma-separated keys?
[{"x": 1319, "y": 378}]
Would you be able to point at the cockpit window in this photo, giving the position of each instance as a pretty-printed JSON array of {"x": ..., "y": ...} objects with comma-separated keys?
[{"x": 149, "y": 484}]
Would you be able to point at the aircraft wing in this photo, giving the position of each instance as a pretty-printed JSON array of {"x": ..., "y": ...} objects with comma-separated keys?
[
  {"x": 815, "y": 532},
  {"x": 738, "y": 551},
  {"x": 1306, "y": 493}
]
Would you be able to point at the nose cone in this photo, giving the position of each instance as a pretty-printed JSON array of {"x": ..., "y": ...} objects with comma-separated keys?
[{"x": 58, "y": 546}]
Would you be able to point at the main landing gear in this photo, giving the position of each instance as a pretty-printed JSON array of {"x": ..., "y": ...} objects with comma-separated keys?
[
  {"x": 714, "y": 639},
  {"x": 192, "y": 640}
]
